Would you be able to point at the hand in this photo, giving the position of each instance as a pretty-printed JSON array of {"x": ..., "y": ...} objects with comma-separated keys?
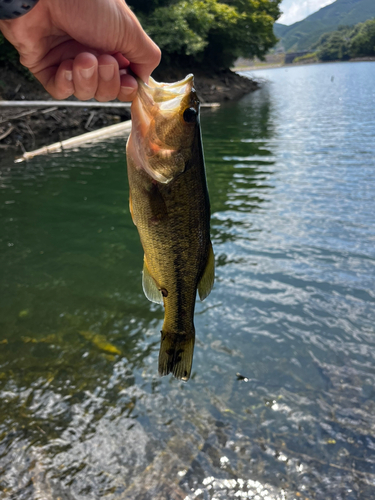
[{"x": 83, "y": 47}]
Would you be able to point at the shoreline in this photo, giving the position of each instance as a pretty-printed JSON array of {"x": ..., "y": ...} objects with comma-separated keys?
[{"x": 310, "y": 63}]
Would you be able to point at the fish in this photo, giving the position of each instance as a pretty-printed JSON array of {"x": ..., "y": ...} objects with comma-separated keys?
[{"x": 169, "y": 204}]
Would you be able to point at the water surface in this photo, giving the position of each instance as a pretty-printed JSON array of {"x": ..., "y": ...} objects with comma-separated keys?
[{"x": 83, "y": 413}]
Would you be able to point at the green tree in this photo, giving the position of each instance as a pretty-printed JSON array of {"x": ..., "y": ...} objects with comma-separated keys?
[
  {"x": 363, "y": 41},
  {"x": 209, "y": 33},
  {"x": 347, "y": 42},
  {"x": 336, "y": 45}
]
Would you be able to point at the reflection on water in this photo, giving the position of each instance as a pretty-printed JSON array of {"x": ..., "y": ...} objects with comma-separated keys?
[{"x": 83, "y": 414}]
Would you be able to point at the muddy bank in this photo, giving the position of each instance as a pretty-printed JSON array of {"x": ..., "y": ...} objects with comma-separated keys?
[{"x": 23, "y": 129}]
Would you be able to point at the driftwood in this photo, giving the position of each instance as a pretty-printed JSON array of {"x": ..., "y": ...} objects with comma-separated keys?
[{"x": 120, "y": 128}]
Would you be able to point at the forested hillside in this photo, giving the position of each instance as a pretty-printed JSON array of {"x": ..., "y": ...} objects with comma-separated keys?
[
  {"x": 348, "y": 42},
  {"x": 304, "y": 34}
]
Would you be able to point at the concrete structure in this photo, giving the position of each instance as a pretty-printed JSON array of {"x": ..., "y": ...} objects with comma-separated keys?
[{"x": 290, "y": 56}]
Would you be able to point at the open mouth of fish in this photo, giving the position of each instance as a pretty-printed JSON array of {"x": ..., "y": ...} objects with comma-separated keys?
[{"x": 159, "y": 114}]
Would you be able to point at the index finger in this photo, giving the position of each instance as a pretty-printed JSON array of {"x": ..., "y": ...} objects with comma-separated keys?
[{"x": 142, "y": 52}]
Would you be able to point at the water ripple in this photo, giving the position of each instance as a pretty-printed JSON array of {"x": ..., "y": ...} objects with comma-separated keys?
[{"x": 280, "y": 404}]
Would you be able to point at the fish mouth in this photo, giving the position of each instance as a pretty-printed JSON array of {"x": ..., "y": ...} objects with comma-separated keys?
[
  {"x": 164, "y": 99},
  {"x": 166, "y": 96},
  {"x": 154, "y": 103}
]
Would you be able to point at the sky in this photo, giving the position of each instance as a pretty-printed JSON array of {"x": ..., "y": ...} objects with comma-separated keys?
[{"x": 296, "y": 10}]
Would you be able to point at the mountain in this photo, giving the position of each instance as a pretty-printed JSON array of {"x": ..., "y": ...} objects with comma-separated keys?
[
  {"x": 280, "y": 29},
  {"x": 302, "y": 35}
]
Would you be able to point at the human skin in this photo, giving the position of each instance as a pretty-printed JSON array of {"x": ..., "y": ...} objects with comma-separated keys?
[{"x": 83, "y": 48}]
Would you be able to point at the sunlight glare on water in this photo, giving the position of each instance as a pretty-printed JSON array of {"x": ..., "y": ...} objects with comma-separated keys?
[{"x": 281, "y": 401}]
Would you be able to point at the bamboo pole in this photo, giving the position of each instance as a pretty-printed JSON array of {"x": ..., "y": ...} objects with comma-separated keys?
[
  {"x": 79, "y": 104},
  {"x": 63, "y": 104}
]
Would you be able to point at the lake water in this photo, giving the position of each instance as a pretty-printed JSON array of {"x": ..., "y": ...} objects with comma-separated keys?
[{"x": 83, "y": 413}]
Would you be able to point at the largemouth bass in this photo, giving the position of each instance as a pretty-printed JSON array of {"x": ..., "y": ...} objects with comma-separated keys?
[{"x": 170, "y": 206}]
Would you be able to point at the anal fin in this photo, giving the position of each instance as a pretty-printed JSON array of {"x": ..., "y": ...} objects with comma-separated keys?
[
  {"x": 207, "y": 281},
  {"x": 149, "y": 286}
]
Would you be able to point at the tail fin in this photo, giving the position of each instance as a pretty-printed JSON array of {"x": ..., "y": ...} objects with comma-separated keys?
[{"x": 176, "y": 354}]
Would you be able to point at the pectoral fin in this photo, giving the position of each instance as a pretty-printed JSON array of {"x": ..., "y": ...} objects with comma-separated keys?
[
  {"x": 207, "y": 281},
  {"x": 149, "y": 286}
]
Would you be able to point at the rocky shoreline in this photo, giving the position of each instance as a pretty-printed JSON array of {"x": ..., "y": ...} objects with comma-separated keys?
[{"x": 25, "y": 129}]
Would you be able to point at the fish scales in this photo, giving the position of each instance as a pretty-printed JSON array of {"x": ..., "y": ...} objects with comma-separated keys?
[{"x": 170, "y": 207}]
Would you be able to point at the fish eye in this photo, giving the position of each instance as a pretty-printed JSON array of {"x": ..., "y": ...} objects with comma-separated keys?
[{"x": 190, "y": 115}]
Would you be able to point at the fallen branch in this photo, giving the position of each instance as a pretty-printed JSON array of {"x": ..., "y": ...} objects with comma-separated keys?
[
  {"x": 6, "y": 133},
  {"x": 20, "y": 115}
]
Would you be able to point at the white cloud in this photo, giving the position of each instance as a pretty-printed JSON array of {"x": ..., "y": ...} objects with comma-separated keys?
[{"x": 296, "y": 10}]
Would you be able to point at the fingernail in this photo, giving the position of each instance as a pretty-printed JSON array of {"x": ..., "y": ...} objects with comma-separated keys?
[
  {"x": 106, "y": 72},
  {"x": 128, "y": 90},
  {"x": 88, "y": 72},
  {"x": 69, "y": 75}
]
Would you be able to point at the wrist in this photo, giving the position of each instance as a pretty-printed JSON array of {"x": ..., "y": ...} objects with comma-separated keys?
[{"x": 12, "y": 9}]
